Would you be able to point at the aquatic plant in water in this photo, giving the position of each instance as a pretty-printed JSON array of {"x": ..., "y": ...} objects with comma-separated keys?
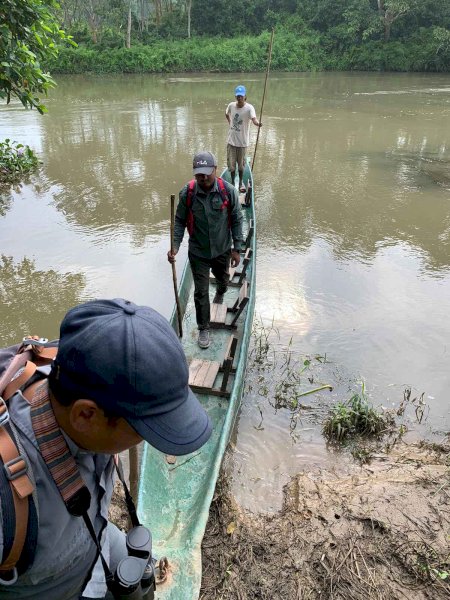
[
  {"x": 16, "y": 160},
  {"x": 355, "y": 417}
]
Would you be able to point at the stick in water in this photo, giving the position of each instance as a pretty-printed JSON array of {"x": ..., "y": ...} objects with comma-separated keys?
[{"x": 174, "y": 270}]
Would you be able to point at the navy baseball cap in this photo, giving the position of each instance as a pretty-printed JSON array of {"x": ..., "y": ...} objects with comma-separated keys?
[
  {"x": 240, "y": 90},
  {"x": 204, "y": 163},
  {"x": 128, "y": 359}
]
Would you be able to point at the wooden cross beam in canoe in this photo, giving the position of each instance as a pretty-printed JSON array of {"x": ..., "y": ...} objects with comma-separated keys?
[
  {"x": 203, "y": 373},
  {"x": 250, "y": 233},
  {"x": 219, "y": 312},
  {"x": 245, "y": 198}
]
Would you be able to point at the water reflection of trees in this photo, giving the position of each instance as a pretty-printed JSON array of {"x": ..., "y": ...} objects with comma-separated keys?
[
  {"x": 33, "y": 301},
  {"x": 5, "y": 203},
  {"x": 117, "y": 160}
]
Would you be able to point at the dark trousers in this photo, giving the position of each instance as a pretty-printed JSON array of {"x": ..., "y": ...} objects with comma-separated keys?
[{"x": 220, "y": 266}]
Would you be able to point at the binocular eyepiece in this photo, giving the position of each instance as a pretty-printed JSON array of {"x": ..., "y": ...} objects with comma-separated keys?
[{"x": 134, "y": 578}]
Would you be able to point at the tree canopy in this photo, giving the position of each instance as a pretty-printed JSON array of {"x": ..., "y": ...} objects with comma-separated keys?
[
  {"x": 30, "y": 33},
  {"x": 101, "y": 21}
]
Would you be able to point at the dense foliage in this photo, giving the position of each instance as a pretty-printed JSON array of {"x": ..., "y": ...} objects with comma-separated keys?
[
  {"x": 29, "y": 35},
  {"x": 16, "y": 160},
  {"x": 230, "y": 35}
]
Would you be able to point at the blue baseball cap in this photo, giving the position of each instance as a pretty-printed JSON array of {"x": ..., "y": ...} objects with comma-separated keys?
[
  {"x": 240, "y": 91},
  {"x": 128, "y": 359}
]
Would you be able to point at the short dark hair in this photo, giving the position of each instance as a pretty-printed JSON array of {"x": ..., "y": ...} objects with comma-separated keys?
[{"x": 66, "y": 398}]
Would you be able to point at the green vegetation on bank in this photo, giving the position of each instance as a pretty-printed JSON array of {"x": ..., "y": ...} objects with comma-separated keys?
[
  {"x": 152, "y": 36},
  {"x": 291, "y": 52}
]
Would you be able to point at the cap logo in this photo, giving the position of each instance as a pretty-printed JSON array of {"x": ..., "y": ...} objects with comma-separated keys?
[{"x": 202, "y": 162}]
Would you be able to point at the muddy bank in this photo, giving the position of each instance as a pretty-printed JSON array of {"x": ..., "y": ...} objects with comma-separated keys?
[{"x": 380, "y": 532}]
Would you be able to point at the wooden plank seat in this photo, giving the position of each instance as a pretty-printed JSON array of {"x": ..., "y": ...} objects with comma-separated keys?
[
  {"x": 219, "y": 312},
  {"x": 203, "y": 373}
]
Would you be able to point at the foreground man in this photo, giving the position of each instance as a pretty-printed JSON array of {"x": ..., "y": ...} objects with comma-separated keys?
[
  {"x": 120, "y": 377},
  {"x": 209, "y": 209},
  {"x": 239, "y": 114}
]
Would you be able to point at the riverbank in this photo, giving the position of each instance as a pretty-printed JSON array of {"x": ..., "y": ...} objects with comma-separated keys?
[
  {"x": 292, "y": 52},
  {"x": 380, "y": 532}
]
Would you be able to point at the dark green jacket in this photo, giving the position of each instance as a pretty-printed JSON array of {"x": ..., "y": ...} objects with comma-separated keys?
[{"x": 211, "y": 236}]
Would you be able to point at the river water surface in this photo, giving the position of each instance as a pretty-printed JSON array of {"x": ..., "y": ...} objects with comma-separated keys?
[{"x": 352, "y": 180}]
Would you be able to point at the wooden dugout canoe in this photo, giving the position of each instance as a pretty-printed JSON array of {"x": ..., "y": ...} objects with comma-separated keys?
[{"x": 174, "y": 497}]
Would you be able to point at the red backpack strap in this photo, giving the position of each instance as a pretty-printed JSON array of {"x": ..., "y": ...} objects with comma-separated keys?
[
  {"x": 190, "y": 214},
  {"x": 225, "y": 198}
]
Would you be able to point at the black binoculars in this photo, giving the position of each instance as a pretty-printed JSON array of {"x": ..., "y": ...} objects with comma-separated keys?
[{"x": 134, "y": 578}]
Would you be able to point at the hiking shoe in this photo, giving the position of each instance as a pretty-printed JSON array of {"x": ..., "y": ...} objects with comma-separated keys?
[
  {"x": 203, "y": 338},
  {"x": 218, "y": 298}
]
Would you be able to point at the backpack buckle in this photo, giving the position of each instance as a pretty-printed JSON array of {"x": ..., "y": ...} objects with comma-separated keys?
[
  {"x": 16, "y": 467},
  {"x": 9, "y": 577},
  {"x": 4, "y": 412}
]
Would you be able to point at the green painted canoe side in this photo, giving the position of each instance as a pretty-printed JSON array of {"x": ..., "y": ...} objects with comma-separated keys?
[{"x": 174, "y": 499}]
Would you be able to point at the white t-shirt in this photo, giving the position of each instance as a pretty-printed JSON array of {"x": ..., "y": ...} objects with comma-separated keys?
[{"x": 239, "y": 132}]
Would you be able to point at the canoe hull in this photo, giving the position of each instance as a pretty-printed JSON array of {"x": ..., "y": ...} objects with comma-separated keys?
[{"x": 174, "y": 497}]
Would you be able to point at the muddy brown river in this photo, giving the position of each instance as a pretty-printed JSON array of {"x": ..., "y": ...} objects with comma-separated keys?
[{"x": 352, "y": 180}]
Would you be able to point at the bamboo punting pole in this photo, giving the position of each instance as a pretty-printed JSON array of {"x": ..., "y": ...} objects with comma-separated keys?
[{"x": 269, "y": 58}]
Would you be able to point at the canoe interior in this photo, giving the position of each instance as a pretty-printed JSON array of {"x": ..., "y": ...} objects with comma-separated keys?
[{"x": 174, "y": 498}]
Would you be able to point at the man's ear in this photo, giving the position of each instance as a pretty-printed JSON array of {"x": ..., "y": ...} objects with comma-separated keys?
[{"x": 84, "y": 415}]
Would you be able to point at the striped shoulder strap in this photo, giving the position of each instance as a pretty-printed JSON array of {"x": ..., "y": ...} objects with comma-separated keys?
[{"x": 56, "y": 454}]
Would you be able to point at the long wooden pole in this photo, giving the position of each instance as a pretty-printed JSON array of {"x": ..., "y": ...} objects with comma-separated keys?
[
  {"x": 174, "y": 270},
  {"x": 269, "y": 58},
  {"x": 133, "y": 457}
]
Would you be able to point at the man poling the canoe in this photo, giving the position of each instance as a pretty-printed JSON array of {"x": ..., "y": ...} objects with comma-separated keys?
[
  {"x": 239, "y": 114},
  {"x": 209, "y": 209}
]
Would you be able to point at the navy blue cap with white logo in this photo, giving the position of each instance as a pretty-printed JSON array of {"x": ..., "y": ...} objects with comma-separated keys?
[
  {"x": 204, "y": 163},
  {"x": 128, "y": 359}
]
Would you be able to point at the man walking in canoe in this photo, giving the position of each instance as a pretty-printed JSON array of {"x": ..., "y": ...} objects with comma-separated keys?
[
  {"x": 209, "y": 209},
  {"x": 239, "y": 114}
]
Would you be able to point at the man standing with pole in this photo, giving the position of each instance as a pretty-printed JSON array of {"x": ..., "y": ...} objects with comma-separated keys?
[{"x": 239, "y": 114}]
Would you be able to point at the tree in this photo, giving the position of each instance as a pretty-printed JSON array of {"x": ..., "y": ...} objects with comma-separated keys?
[
  {"x": 391, "y": 10},
  {"x": 188, "y": 10},
  {"x": 29, "y": 36}
]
